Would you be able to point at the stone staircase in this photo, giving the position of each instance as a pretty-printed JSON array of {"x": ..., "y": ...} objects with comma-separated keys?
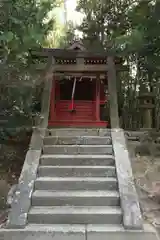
[
  {"x": 75, "y": 184},
  {"x": 76, "y": 180}
]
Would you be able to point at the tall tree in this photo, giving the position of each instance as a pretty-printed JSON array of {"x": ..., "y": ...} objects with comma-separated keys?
[
  {"x": 132, "y": 27},
  {"x": 24, "y": 25},
  {"x": 103, "y": 21}
]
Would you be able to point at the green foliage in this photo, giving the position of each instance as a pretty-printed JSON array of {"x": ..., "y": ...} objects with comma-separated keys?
[
  {"x": 61, "y": 36},
  {"x": 131, "y": 28},
  {"x": 24, "y": 25},
  {"x": 69, "y": 35},
  {"x": 103, "y": 21}
]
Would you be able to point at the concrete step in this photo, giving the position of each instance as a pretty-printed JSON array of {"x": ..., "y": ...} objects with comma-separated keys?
[
  {"x": 75, "y": 198},
  {"x": 75, "y": 215},
  {"x": 76, "y": 183},
  {"x": 87, "y": 160},
  {"x": 78, "y": 140},
  {"x": 81, "y": 149},
  {"x": 74, "y": 228},
  {"x": 60, "y": 132},
  {"x": 78, "y": 171},
  {"x": 81, "y": 232}
]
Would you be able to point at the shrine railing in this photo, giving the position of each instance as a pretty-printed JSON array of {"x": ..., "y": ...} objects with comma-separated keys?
[
  {"x": 22, "y": 198},
  {"x": 132, "y": 218}
]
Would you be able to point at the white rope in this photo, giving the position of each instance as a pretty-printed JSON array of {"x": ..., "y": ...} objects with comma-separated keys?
[{"x": 74, "y": 86}]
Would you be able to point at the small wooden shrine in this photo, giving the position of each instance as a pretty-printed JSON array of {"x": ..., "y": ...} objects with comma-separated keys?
[{"x": 79, "y": 89}]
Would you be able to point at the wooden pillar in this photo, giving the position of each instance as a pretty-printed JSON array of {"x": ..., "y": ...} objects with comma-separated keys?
[
  {"x": 45, "y": 106},
  {"x": 112, "y": 88},
  {"x": 53, "y": 100},
  {"x": 97, "y": 99}
]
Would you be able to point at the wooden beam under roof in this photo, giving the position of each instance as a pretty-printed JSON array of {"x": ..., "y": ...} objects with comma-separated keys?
[
  {"x": 80, "y": 68},
  {"x": 81, "y": 74},
  {"x": 70, "y": 53},
  {"x": 86, "y": 68}
]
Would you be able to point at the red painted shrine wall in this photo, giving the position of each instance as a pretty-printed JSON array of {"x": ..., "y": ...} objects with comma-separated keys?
[{"x": 87, "y": 99}]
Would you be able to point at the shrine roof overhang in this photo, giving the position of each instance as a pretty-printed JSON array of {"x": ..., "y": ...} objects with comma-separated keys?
[
  {"x": 72, "y": 54},
  {"x": 69, "y": 60}
]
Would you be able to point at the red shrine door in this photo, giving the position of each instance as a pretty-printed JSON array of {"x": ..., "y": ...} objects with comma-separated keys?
[{"x": 75, "y": 102}]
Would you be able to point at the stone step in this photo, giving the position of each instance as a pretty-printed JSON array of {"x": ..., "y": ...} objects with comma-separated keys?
[
  {"x": 78, "y": 140},
  {"x": 75, "y": 198},
  {"x": 75, "y": 215},
  {"x": 87, "y": 160},
  {"x": 75, "y": 228},
  {"x": 78, "y": 171},
  {"x": 81, "y": 149},
  {"x": 76, "y": 183},
  {"x": 80, "y": 232},
  {"x": 60, "y": 132}
]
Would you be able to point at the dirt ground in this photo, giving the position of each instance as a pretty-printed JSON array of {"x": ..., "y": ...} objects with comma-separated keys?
[
  {"x": 12, "y": 157},
  {"x": 146, "y": 170}
]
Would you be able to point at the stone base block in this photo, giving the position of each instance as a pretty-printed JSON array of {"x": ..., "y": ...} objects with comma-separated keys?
[{"x": 118, "y": 233}]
